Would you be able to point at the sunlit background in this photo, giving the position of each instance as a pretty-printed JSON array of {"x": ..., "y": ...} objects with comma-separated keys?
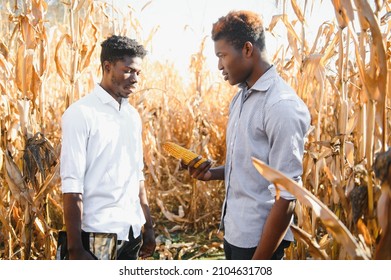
[
  {"x": 181, "y": 25},
  {"x": 335, "y": 54}
]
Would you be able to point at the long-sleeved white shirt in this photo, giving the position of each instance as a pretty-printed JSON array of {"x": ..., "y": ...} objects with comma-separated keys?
[
  {"x": 269, "y": 122},
  {"x": 102, "y": 158}
]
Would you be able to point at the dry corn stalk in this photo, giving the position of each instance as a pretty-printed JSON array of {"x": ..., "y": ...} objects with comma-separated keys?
[
  {"x": 339, "y": 231},
  {"x": 182, "y": 153}
]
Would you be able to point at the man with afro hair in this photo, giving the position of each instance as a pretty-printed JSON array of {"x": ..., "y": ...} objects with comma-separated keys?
[{"x": 268, "y": 121}]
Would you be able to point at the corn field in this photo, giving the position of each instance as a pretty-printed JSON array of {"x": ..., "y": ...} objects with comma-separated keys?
[{"x": 49, "y": 58}]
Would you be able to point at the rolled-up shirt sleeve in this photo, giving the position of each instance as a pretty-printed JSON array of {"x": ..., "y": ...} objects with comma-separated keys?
[
  {"x": 73, "y": 151},
  {"x": 282, "y": 192},
  {"x": 287, "y": 123}
]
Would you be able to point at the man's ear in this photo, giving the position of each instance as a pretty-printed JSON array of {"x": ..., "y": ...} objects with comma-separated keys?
[
  {"x": 106, "y": 66},
  {"x": 248, "y": 49}
]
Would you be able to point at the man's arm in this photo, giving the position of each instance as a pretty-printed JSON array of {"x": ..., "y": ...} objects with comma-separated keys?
[
  {"x": 73, "y": 211},
  {"x": 286, "y": 124},
  {"x": 149, "y": 243},
  {"x": 275, "y": 227}
]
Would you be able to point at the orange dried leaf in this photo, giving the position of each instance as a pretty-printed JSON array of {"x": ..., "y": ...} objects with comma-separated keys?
[
  {"x": 362, "y": 229},
  {"x": 313, "y": 246}
]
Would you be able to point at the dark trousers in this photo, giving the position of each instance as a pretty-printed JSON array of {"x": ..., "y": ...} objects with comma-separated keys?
[
  {"x": 236, "y": 253},
  {"x": 129, "y": 250}
]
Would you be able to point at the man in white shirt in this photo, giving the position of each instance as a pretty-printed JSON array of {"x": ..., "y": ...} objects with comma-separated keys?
[{"x": 102, "y": 159}]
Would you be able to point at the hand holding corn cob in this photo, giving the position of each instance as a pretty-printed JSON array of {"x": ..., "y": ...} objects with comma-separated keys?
[{"x": 182, "y": 153}]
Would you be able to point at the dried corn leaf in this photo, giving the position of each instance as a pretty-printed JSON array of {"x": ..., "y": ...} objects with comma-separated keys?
[
  {"x": 324, "y": 241},
  {"x": 29, "y": 40},
  {"x": 87, "y": 50},
  {"x": 273, "y": 22},
  {"x": 329, "y": 219},
  {"x": 14, "y": 178},
  {"x": 313, "y": 247},
  {"x": 24, "y": 113},
  {"x": 169, "y": 215},
  {"x": 1, "y": 155},
  {"x": 38, "y": 158},
  {"x": 375, "y": 78},
  {"x": 48, "y": 181},
  {"x": 24, "y": 69},
  {"x": 343, "y": 12},
  {"x": 64, "y": 72},
  {"x": 38, "y": 10},
  {"x": 147, "y": 4},
  {"x": 297, "y": 11},
  {"x": 41, "y": 226},
  {"x": 363, "y": 230},
  {"x": 325, "y": 30},
  {"x": 293, "y": 39},
  {"x": 54, "y": 213},
  {"x": 77, "y": 5},
  {"x": 5, "y": 66},
  {"x": 15, "y": 181},
  {"x": 4, "y": 51},
  {"x": 384, "y": 19}
]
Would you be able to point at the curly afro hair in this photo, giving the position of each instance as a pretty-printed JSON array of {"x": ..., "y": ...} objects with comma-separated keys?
[
  {"x": 238, "y": 27},
  {"x": 116, "y": 47}
]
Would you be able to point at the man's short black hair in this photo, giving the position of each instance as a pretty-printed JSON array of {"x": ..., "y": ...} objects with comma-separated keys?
[{"x": 117, "y": 47}]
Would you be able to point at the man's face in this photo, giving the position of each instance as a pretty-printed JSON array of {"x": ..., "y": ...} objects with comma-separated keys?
[
  {"x": 232, "y": 63},
  {"x": 123, "y": 76}
]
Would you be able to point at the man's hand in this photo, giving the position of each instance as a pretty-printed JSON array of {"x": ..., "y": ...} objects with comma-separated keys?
[
  {"x": 202, "y": 172},
  {"x": 80, "y": 254},
  {"x": 149, "y": 244},
  {"x": 276, "y": 225}
]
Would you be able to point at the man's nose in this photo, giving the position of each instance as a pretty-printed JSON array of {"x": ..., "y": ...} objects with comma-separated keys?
[
  {"x": 133, "y": 77},
  {"x": 220, "y": 65}
]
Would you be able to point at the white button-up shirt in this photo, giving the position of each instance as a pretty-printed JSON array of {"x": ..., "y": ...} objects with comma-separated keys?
[
  {"x": 102, "y": 158},
  {"x": 269, "y": 122}
]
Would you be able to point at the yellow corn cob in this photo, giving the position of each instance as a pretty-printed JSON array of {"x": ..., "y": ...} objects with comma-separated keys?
[{"x": 182, "y": 153}]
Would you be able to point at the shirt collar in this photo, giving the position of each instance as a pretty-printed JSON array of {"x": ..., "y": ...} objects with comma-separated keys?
[
  {"x": 105, "y": 97},
  {"x": 264, "y": 82}
]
